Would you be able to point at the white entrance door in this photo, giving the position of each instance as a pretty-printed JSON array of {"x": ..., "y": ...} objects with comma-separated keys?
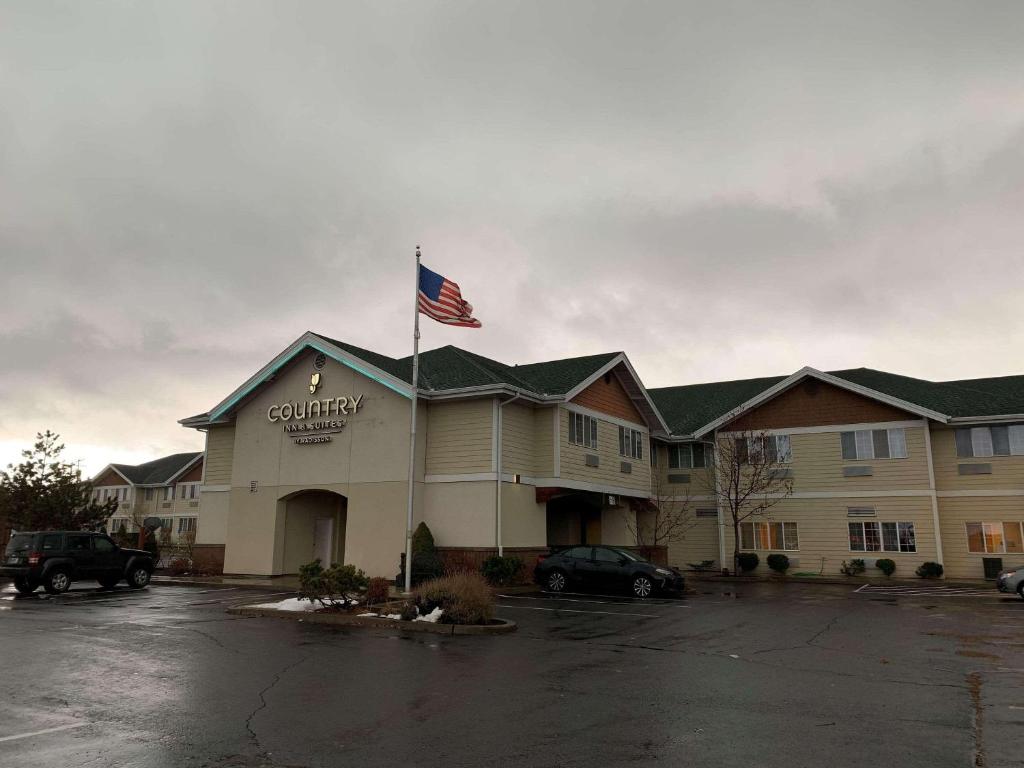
[{"x": 323, "y": 540}]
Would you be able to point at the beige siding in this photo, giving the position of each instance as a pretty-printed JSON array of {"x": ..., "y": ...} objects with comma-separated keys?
[
  {"x": 608, "y": 472},
  {"x": 818, "y": 465},
  {"x": 544, "y": 442},
  {"x": 1007, "y": 471},
  {"x": 220, "y": 448},
  {"x": 698, "y": 544},
  {"x": 824, "y": 535},
  {"x": 955, "y": 513},
  {"x": 459, "y": 437},
  {"x": 517, "y": 439}
]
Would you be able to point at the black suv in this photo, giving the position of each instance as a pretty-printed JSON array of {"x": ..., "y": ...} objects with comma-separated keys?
[{"x": 54, "y": 559}]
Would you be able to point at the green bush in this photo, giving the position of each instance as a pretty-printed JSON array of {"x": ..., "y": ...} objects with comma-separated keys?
[
  {"x": 335, "y": 587},
  {"x": 929, "y": 570},
  {"x": 464, "y": 598},
  {"x": 408, "y": 611},
  {"x": 778, "y": 563},
  {"x": 886, "y": 566},
  {"x": 748, "y": 561},
  {"x": 501, "y": 571},
  {"x": 426, "y": 563},
  {"x": 852, "y": 568}
]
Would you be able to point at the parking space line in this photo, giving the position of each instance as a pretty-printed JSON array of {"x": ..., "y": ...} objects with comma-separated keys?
[
  {"x": 42, "y": 732},
  {"x": 576, "y": 610}
]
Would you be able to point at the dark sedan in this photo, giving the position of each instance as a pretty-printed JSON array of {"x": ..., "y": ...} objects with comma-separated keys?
[{"x": 605, "y": 569}]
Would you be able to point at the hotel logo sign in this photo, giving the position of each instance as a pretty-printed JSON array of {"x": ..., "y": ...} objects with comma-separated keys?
[{"x": 310, "y": 421}]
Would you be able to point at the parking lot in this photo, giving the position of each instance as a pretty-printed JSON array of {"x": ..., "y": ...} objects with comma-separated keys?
[{"x": 759, "y": 674}]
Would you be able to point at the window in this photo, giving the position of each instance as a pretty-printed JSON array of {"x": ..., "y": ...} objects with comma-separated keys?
[
  {"x": 990, "y": 441},
  {"x": 168, "y": 492},
  {"x": 582, "y": 430},
  {"x": 873, "y": 536},
  {"x": 186, "y": 524},
  {"x": 149, "y": 494},
  {"x": 688, "y": 456},
  {"x": 631, "y": 443},
  {"x": 78, "y": 543},
  {"x": 606, "y": 555},
  {"x": 874, "y": 444},
  {"x": 777, "y": 446},
  {"x": 579, "y": 553},
  {"x": 193, "y": 490},
  {"x": 102, "y": 544},
  {"x": 764, "y": 535},
  {"x": 167, "y": 523},
  {"x": 999, "y": 538},
  {"x": 707, "y": 512},
  {"x": 653, "y": 448},
  {"x": 51, "y": 542}
]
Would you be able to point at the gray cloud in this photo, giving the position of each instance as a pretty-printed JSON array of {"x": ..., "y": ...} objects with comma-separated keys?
[{"x": 722, "y": 191}]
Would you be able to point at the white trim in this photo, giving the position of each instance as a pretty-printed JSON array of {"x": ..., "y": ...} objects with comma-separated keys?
[
  {"x": 103, "y": 471},
  {"x": 967, "y": 494},
  {"x": 469, "y": 477},
  {"x": 214, "y": 488},
  {"x": 610, "y": 365},
  {"x": 185, "y": 468},
  {"x": 557, "y": 470},
  {"x": 934, "y": 497},
  {"x": 605, "y": 417},
  {"x": 912, "y": 424},
  {"x": 1008, "y": 417},
  {"x": 808, "y": 372}
]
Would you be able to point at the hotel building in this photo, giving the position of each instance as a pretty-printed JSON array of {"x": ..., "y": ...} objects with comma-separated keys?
[{"x": 309, "y": 458}]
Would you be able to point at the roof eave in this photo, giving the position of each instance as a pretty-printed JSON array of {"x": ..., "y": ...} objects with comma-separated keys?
[{"x": 653, "y": 416}]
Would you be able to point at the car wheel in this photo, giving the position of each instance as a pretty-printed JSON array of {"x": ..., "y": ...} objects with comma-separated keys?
[
  {"x": 57, "y": 581},
  {"x": 642, "y": 585},
  {"x": 24, "y": 586},
  {"x": 109, "y": 582},
  {"x": 138, "y": 577},
  {"x": 557, "y": 582},
  {"x": 1020, "y": 590}
]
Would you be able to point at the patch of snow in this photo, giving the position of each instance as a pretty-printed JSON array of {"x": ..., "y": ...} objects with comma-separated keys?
[
  {"x": 369, "y": 614},
  {"x": 291, "y": 604},
  {"x": 395, "y": 616},
  {"x": 432, "y": 617}
]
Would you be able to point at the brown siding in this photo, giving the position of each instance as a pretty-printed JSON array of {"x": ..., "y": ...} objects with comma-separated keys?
[
  {"x": 813, "y": 403},
  {"x": 194, "y": 475},
  {"x": 110, "y": 477},
  {"x": 608, "y": 396}
]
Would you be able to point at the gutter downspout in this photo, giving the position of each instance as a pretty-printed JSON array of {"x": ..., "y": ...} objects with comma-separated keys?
[
  {"x": 931, "y": 489},
  {"x": 497, "y": 484}
]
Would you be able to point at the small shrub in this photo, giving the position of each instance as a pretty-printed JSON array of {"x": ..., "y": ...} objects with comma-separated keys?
[
  {"x": 501, "y": 571},
  {"x": 852, "y": 568},
  {"x": 703, "y": 565},
  {"x": 377, "y": 590},
  {"x": 455, "y": 561},
  {"x": 178, "y": 566},
  {"x": 748, "y": 561},
  {"x": 464, "y": 599},
  {"x": 408, "y": 611},
  {"x": 778, "y": 563},
  {"x": 151, "y": 546},
  {"x": 929, "y": 570},
  {"x": 886, "y": 566},
  {"x": 334, "y": 587},
  {"x": 426, "y": 563}
]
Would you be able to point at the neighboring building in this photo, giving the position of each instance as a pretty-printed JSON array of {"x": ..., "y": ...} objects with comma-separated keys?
[
  {"x": 309, "y": 458},
  {"x": 167, "y": 488}
]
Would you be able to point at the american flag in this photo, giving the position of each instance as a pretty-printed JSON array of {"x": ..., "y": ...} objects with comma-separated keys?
[{"x": 442, "y": 300}]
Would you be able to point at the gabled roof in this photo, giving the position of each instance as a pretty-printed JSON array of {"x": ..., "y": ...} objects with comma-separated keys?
[
  {"x": 690, "y": 407},
  {"x": 158, "y": 471}
]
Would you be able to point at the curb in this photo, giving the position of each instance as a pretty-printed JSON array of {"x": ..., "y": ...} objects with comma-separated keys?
[
  {"x": 845, "y": 581},
  {"x": 174, "y": 581},
  {"x": 340, "y": 619}
]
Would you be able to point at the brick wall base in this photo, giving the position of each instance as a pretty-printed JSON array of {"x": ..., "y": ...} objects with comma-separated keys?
[{"x": 209, "y": 558}]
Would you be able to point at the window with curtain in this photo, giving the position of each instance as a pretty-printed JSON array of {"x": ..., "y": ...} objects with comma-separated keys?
[
  {"x": 631, "y": 442},
  {"x": 582, "y": 430},
  {"x": 874, "y": 536},
  {"x": 995, "y": 538},
  {"x": 874, "y": 444},
  {"x": 981, "y": 442},
  {"x": 769, "y": 535},
  {"x": 777, "y": 446},
  {"x": 689, "y": 456}
]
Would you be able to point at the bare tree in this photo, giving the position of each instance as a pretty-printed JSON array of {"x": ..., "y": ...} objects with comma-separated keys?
[
  {"x": 666, "y": 521},
  {"x": 751, "y": 475}
]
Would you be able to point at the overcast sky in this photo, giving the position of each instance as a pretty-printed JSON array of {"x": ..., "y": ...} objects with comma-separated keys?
[{"x": 722, "y": 190}]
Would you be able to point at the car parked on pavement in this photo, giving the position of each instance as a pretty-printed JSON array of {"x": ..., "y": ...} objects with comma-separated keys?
[
  {"x": 1011, "y": 580},
  {"x": 605, "y": 568},
  {"x": 55, "y": 559}
]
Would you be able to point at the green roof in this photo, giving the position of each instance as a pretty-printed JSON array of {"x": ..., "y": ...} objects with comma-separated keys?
[
  {"x": 691, "y": 407},
  {"x": 158, "y": 471},
  {"x": 454, "y": 368}
]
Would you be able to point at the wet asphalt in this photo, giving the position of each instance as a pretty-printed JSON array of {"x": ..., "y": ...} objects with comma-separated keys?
[{"x": 753, "y": 675}]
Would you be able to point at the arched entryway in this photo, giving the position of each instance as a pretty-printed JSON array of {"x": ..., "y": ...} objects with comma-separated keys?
[
  {"x": 314, "y": 527},
  {"x": 574, "y": 518}
]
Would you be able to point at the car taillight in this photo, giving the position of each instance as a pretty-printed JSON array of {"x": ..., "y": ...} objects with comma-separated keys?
[
  {"x": 541, "y": 559},
  {"x": 34, "y": 558}
]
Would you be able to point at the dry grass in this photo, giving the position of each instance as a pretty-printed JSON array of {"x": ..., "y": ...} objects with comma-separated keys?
[{"x": 465, "y": 598}]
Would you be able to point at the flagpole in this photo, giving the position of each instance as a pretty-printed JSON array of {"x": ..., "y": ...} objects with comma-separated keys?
[{"x": 412, "y": 422}]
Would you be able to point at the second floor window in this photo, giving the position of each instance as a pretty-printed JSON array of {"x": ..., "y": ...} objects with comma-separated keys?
[
  {"x": 582, "y": 430},
  {"x": 874, "y": 444},
  {"x": 778, "y": 448},
  {"x": 990, "y": 441},
  {"x": 689, "y": 456},
  {"x": 631, "y": 443},
  {"x": 168, "y": 492},
  {"x": 186, "y": 524}
]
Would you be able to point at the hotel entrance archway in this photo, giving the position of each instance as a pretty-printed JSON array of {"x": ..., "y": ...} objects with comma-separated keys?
[
  {"x": 314, "y": 527},
  {"x": 574, "y": 518}
]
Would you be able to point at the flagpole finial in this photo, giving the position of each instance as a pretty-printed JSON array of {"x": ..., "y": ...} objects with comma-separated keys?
[{"x": 417, "y": 251}]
